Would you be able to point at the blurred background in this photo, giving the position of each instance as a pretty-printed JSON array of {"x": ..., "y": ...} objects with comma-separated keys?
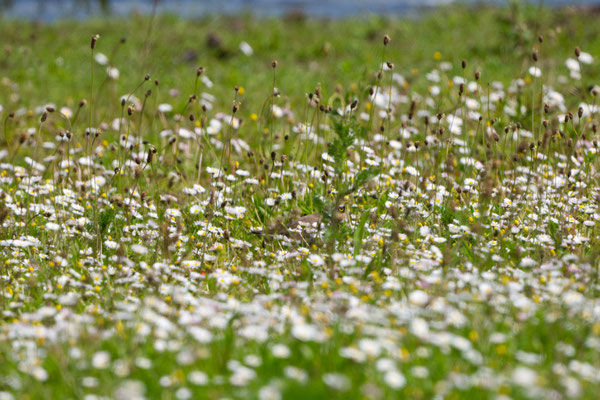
[{"x": 49, "y": 10}]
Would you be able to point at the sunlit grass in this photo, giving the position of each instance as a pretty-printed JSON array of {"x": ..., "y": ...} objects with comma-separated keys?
[{"x": 270, "y": 209}]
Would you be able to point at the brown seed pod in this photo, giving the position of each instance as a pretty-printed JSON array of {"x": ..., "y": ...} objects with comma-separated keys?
[{"x": 94, "y": 40}]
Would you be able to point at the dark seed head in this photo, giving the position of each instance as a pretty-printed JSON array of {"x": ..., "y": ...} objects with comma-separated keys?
[{"x": 94, "y": 40}]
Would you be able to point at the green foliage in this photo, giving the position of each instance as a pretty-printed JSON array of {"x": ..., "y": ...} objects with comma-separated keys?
[
  {"x": 491, "y": 40},
  {"x": 359, "y": 233},
  {"x": 345, "y": 134},
  {"x": 106, "y": 218},
  {"x": 365, "y": 176}
]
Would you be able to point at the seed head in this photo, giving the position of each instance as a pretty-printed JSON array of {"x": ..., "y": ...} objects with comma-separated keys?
[
  {"x": 94, "y": 40},
  {"x": 151, "y": 153},
  {"x": 274, "y": 64},
  {"x": 577, "y": 51},
  {"x": 386, "y": 40}
]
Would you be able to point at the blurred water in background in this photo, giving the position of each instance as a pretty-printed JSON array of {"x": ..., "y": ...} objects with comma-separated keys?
[{"x": 49, "y": 10}]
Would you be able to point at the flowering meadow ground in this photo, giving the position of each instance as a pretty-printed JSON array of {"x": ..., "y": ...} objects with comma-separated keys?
[{"x": 392, "y": 209}]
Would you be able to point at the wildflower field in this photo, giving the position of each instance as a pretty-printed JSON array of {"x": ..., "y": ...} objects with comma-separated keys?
[{"x": 294, "y": 208}]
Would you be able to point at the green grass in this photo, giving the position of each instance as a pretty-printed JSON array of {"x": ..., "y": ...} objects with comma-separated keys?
[
  {"x": 509, "y": 300},
  {"x": 310, "y": 52}
]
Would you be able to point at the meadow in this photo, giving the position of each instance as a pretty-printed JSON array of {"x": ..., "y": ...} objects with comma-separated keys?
[{"x": 292, "y": 208}]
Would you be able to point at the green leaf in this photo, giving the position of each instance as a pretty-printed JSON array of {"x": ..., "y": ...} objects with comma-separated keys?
[
  {"x": 318, "y": 203},
  {"x": 364, "y": 176},
  {"x": 344, "y": 131},
  {"x": 359, "y": 233},
  {"x": 106, "y": 218}
]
